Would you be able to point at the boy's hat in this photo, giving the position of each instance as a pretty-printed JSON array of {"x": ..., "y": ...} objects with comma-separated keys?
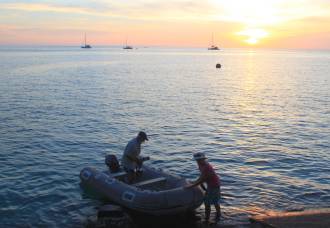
[{"x": 199, "y": 156}]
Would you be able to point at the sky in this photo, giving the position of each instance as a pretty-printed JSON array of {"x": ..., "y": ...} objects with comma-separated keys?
[{"x": 294, "y": 24}]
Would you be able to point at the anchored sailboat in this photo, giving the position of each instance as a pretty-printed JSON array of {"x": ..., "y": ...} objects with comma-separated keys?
[
  {"x": 213, "y": 47},
  {"x": 86, "y": 45},
  {"x": 127, "y": 46}
]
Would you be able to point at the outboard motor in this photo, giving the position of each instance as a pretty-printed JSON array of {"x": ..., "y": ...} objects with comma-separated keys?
[
  {"x": 113, "y": 216},
  {"x": 112, "y": 162},
  {"x": 110, "y": 216}
]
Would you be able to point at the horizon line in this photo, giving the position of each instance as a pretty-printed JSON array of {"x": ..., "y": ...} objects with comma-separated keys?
[{"x": 160, "y": 46}]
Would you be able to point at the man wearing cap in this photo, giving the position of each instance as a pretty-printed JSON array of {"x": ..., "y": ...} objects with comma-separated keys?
[
  {"x": 131, "y": 159},
  {"x": 208, "y": 176}
]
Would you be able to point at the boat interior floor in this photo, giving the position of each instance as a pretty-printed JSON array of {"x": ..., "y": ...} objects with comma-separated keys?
[{"x": 144, "y": 181}]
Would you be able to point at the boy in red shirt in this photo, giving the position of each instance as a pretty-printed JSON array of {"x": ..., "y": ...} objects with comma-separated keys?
[{"x": 208, "y": 176}]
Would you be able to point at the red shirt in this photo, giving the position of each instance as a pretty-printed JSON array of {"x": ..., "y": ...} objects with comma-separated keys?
[{"x": 212, "y": 179}]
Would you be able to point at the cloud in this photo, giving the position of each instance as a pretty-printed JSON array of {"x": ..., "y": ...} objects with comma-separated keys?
[
  {"x": 132, "y": 10},
  {"x": 36, "y": 7},
  {"x": 251, "y": 12}
]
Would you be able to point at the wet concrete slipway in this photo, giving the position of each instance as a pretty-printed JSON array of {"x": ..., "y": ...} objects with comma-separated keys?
[{"x": 110, "y": 216}]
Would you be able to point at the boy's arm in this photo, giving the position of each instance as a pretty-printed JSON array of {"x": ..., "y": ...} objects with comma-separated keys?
[{"x": 199, "y": 181}]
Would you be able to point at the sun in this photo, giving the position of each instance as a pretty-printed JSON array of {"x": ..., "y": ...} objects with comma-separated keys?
[
  {"x": 251, "y": 40},
  {"x": 254, "y": 15},
  {"x": 253, "y": 35}
]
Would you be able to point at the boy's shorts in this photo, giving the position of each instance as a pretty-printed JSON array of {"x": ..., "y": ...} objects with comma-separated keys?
[{"x": 212, "y": 196}]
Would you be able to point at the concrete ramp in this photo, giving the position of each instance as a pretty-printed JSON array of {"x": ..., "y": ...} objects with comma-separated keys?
[{"x": 319, "y": 218}]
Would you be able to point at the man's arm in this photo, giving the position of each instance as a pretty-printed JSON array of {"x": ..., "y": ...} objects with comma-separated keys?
[{"x": 133, "y": 158}]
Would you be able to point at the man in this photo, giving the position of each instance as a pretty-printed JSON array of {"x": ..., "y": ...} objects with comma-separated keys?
[
  {"x": 131, "y": 160},
  {"x": 208, "y": 176}
]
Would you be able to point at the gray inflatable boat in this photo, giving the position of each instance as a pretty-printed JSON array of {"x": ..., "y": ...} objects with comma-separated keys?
[{"x": 154, "y": 192}]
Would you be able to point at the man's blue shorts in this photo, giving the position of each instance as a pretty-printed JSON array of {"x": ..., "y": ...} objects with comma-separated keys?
[{"x": 212, "y": 196}]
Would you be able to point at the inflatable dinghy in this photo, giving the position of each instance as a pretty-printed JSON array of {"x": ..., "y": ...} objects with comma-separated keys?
[{"x": 154, "y": 192}]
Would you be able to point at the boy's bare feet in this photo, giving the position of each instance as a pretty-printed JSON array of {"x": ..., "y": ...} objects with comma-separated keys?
[
  {"x": 217, "y": 218},
  {"x": 206, "y": 222}
]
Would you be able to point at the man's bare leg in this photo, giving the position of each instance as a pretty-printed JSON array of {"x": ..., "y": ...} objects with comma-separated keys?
[{"x": 131, "y": 177}]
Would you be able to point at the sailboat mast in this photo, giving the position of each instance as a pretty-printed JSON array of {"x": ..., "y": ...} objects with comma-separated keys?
[
  {"x": 212, "y": 40},
  {"x": 85, "y": 39}
]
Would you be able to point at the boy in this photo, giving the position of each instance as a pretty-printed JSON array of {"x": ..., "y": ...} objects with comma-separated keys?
[{"x": 208, "y": 176}]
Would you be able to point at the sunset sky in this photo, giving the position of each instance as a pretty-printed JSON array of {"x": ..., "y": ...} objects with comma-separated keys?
[{"x": 188, "y": 23}]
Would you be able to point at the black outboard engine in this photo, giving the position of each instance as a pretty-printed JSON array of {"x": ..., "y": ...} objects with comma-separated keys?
[
  {"x": 110, "y": 216},
  {"x": 112, "y": 162}
]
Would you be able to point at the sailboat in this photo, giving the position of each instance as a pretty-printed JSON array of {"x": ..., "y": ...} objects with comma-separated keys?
[
  {"x": 213, "y": 47},
  {"x": 127, "y": 46},
  {"x": 86, "y": 45}
]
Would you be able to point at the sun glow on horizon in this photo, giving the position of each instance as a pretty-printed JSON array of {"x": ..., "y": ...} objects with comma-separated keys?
[
  {"x": 253, "y": 35},
  {"x": 274, "y": 19},
  {"x": 253, "y": 14}
]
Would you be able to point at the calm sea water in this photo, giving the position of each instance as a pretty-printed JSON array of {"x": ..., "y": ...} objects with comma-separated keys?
[{"x": 263, "y": 120}]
